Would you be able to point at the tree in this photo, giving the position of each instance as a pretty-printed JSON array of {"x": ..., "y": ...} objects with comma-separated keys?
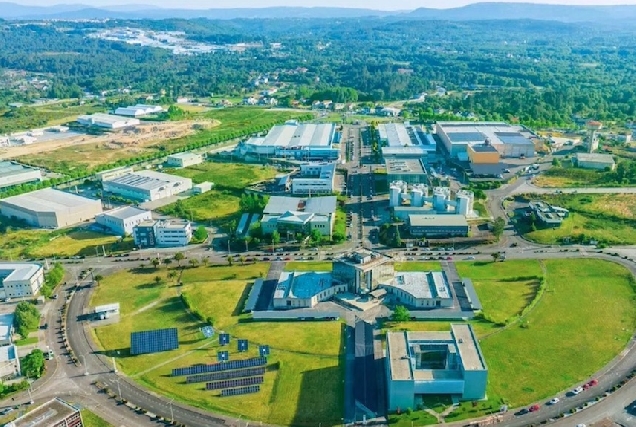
[
  {"x": 98, "y": 278},
  {"x": 200, "y": 234},
  {"x": 556, "y": 162},
  {"x": 156, "y": 262},
  {"x": 498, "y": 227},
  {"x": 275, "y": 238},
  {"x": 167, "y": 261},
  {"x": 242, "y": 260},
  {"x": 230, "y": 260},
  {"x": 315, "y": 235},
  {"x": 179, "y": 257},
  {"x": 32, "y": 365},
  {"x": 495, "y": 256},
  {"x": 27, "y": 318},
  {"x": 158, "y": 280},
  {"x": 401, "y": 314},
  {"x": 193, "y": 262}
]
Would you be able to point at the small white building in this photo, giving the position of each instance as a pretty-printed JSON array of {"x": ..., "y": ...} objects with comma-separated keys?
[
  {"x": 183, "y": 160},
  {"x": 420, "y": 290},
  {"x": 6, "y": 328},
  {"x": 9, "y": 362},
  {"x": 138, "y": 110},
  {"x": 18, "y": 280},
  {"x": 12, "y": 173},
  {"x": 107, "y": 121},
  {"x": 203, "y": 187},
  {"x": 594, "y": 161},
  {"x": 173, "y": 233},
  {"x": 106, "y": 311},
  {"x": 122, "y": 220},
  {"x": 113, "y": 173}
]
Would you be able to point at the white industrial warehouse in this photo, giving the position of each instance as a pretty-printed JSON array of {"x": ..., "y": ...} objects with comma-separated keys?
[
  {"x": 19, "y": 280},
  {"x": 183, "y": 160},
  {"x": 309, "y": 142},
  {"x": 299, "y": 215},
  {"x": 138, "y": 110},
  {"x": 146, "y": 185},
  {"x": 508, "y": 140},
  {"x": 50, "y": 208},
  {"x": 121, "y": 221},
  {"x": 406, "y": 141},
  {"x": 12, "y": 173},
  {"x": 107, "y": 121}
]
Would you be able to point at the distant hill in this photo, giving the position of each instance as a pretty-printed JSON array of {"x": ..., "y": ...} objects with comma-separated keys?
[{"x": 472, "y": 12}]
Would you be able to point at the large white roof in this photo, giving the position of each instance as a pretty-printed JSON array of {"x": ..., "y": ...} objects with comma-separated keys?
[
  {"x": 146, "y": 180},
  {"x": 291, "y": 135},
  {"x": 422, "y": 285},
  {"x": 18, "y": 271},
  {"x": 48, "y": 200}
]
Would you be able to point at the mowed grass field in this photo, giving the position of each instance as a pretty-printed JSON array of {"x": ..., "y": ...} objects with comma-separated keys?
[
  {"x": 303, "y": 382},
  {"x": 31, "y": 243},
  {"x": 92, "y": 420},
  {"x": 230, "y": 179}
]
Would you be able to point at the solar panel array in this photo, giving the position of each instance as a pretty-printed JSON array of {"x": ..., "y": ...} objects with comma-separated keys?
[
  {"x": 216, "y": 367},
  {"x": 263, "y": 350},
  {"x": 208, "y": 331},
  {"x": 224, "y": 339},
  {"x": 225, "y": 375},
  {"x": 223, "y": 356},
  {"x": 243, "y": 345},
  {"x": 239, "y": 391},
  {"x": 239, "y": 382},
  {"x": 145, "y": 342}
]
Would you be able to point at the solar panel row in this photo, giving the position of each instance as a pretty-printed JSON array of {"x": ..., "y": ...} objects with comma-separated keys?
[
  {"x": 223, "y": 366},
  {"x": 239, "y": 382},
  {"x": 239, "y": 391},
  {"x": 144, "y": 342},
  {"x": 225, "y": 375}
]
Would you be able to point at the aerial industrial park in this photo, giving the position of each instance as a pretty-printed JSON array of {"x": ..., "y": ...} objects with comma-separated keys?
[{"x": 270, "y": 245}]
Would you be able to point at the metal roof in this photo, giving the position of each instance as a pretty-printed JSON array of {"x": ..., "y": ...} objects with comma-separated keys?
[
  {"x": 48, "y": 414},
  {"x": 422, "y": 285},
  {"x": 438, "y": 220},
  {"x": 125, "y": 212},
  {"x": 8, "y": 168},
  {"x": 146, "y": 180},
  {"x": 317, "y": 205},
  {"x": 595, "y": 157},
  {"x": 18, "y": 271},
  {"x": 477, "y": 132},
  {"x": 468, "y": 348},
  {"x": 293, "y": 135},
  {"x": 48, "y": 200}
]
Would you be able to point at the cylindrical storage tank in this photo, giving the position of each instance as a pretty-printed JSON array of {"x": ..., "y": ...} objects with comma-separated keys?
[
  {"x": 462, "y": 204},
  {"x": 394, "y": 196},
  {"x": 439, "y": 200},
  {"x": 417, "y": 198}
]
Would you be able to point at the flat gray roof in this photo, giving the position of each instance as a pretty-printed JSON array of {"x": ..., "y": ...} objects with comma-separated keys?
[
  {"x": 18, "y": 271},
  {"x": 407, "y": 166},
  {"x": 45, "y": 415},
  {"x": 8, "y": 168},
  {"x": 468, "y": 347},
  {"x": 146, "y": 180},
  {"x": 278, "y": 205},
  {"x": 595, "y": 157},
  {"x": 48, "y": 200},
  {"x": 422, "y": 284},
  {"x": 293, "y": 135},
  {"x": 477, "y": 132},
  {"x": 184, "y": 156},
  {"x": 125, "y": 212},
  {"x": 437, "y": 220},
  {"x": 6, "y": 323}
]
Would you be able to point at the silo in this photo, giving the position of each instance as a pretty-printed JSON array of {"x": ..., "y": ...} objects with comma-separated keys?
[
  {"x": 440, "y": 196},
  {"x": 417, "y": 197},
  {"x": 464, "y": 201},
  {"x": 394, "y": 194}
]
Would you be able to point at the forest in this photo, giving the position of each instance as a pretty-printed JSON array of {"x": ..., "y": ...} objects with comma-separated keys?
[{"x": 539, "y": 73}]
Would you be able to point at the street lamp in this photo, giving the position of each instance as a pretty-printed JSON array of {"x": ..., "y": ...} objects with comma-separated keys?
[
  {"x": 84, "y": 363},
  {"x": 171, "y": 411}
]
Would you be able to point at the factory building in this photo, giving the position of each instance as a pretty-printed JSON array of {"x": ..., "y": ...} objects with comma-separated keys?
[
  {"x": 484, "y": 159},
  {"x": 420, "y": 290},
  {"x": 411, "y": 171},
  {"x": 138, "y": 110},
  {"x": 594, "y": 161},
  {"x": 362, "y": 270},
  {"x": 434, "y": 363},
  {"x": 405, "y": 141},
  {"x": 12, "y": 173},
  {"x": 508, "y": 140},
  {"x": 314, "y": 178},
  {"x": 18, "y": 280},
  {"x": 299, "y": 215},
  {"x": 415, "y": 200},
  {"x": 147, "y": 185},
  {"x": 437, "y": 225},
  {"x": 121, "y": 221},
  {"x": 107, "y": 121},
  {"x": 165, "y": 234},
  {"x": 304, "y": 289},
  {"x": 49, "y": 208},
  {"x": 113, "y": 173},
  {"x": 183, "y": 160},
  {"x": 307, "y": 142},
  {"x": 55, "y": 413}
]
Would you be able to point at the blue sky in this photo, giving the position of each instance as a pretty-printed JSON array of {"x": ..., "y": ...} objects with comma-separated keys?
[{"x": 374, "y": 4}]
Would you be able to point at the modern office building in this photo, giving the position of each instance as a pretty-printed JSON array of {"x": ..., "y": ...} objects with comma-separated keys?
[
  {"x": 121, "y": 221},
  {"x": 508, "y": 140},
  {"x": 406, "y": 141},
  {"x": 12, "y": 173},
  {"x": 146, "y": 185},
  {"x": 314, "y": 178},
  {"x": 438, "y": 225},
  {"x": 107, "y": 121},
  {"x": 299, "y": 215},
  {"x": 6, "y": 328},
  {"x": 167, "y": 234},
  {"x": 49, "y": 208},
  {"x": 307, "y": 142},
  {"x": 594, "y": 161},
  {"x": 362, "y": 270},
  {"x": 420, "y": 290},
  {"x": 434, "y": 363},
  {"x": 183, "y": 160},
  {"x": 54, "y": 413},
  {"x": 18, "y": 280},
  {"x": 303, "y": 289},
  {"x": 138, "y": 110},
  {"x": 410, "y": 171},
  {"x": 548, "y": 215}
]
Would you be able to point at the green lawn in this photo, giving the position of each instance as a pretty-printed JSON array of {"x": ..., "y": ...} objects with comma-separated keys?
[
  {"x": 92, "y": 420},
  {"x": 308, "y": 266},
  {"x": 418, "y": 266},
  {"x": 26, "y": 341},
  {"x": 580, "y": 227},
  {"x": 305, "y": 360},
  {"x": 587, "y": 305}
]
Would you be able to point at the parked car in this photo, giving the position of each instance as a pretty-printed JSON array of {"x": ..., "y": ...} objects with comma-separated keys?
[
  {"x": 522, "y": 411},
  {"x": 535, "y": 408},
  {"x": 554, "y": 401},
  {"x": 577, "y": 390}
]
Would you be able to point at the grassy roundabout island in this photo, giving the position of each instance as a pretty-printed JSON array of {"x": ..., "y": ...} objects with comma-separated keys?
[{"x": 545, "y": 325}]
